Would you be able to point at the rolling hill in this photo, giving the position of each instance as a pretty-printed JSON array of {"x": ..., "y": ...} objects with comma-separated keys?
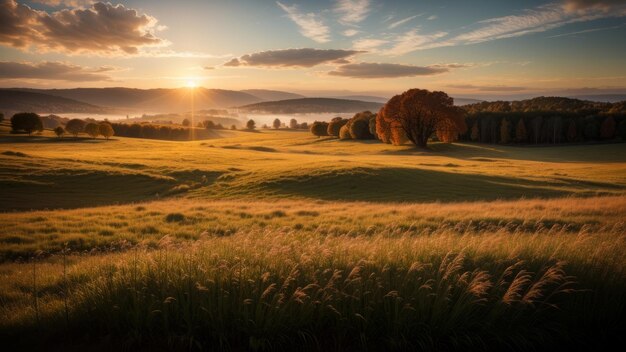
[
  {"x": 160, "y": 99},
  {"x": 16, "y": 100},
  {"x": 311, "y": 105},
  {"x": 271, "y": 95}
]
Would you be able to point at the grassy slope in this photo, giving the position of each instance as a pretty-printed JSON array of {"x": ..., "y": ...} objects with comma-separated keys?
[
  {"x": 286, "y": 164},
  {"x": 286, "y": 239}
]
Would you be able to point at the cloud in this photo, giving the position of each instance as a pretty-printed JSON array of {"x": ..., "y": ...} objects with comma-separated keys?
[
  {"x": 531, "y": 21},
  {"x": 414, "y": 40},
  {"x": 402, "y": 21},
  {"x": 102, "y": 29},
  {"x": 352, "y": 11},
  {"x": 454, "y": 65},
  {"x": 605, "y": 5},
  {"x": 350, "y": 32},
  {"x": 587, "y": 31},
  {"x": 382, "y": 70},
  {"x": 311, "y": 26},
  {"x": 59, "y": 71},
  {"x": 488, "y": 88},
  {"x": 432, "y": 17},
  {"x": 66, "y": 3},
  {"x": 209, "y": 68},
  {"x": 306, "y": 57},
  {"x": 368, "y": 44},
  {"x": 536, "y": 20}
]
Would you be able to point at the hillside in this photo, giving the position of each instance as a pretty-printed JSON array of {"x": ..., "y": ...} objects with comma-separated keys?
[
  {"x": 271, "y": 95},
  {"x": 166, "y": 100},
  {"x": 161, "y": 99},
  {"x": 15, "y": 101},
  {"x": 312, "y": 105}
]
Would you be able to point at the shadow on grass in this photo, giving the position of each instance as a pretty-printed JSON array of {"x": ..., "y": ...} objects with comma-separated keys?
[
  {"x": 418, "y": 185},
  {"x": 606, "y": 153},
  {"x": 45, "y": 139}
]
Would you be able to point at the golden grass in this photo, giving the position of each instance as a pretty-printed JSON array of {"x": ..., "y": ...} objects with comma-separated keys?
[{"x": 277, "y": 240}]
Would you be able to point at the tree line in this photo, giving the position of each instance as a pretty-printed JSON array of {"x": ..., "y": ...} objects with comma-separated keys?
[
  {"x": 29, "y": 122},
  {"x": 418, "y": 116}
]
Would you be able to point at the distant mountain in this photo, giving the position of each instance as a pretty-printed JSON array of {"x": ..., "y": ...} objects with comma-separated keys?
[
  {"x": 311, "y": 105},
  {"x": 465, "y": 101},
  {"x": 16, "y": 101},
  {"x": 369, "y": 98},
  {"x": 604, "y": 98},
  {"x": 271, "y": 95},
  {"x": 154, "y": 100}
]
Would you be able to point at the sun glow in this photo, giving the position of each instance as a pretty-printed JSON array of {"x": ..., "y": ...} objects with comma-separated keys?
[{"x": 191, "y": 84}]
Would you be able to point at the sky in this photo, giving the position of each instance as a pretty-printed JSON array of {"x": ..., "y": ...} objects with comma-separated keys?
[{"x": 376, "y": 47}]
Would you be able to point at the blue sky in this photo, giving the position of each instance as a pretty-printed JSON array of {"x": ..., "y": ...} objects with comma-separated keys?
[{"x": 466, "y": 48}]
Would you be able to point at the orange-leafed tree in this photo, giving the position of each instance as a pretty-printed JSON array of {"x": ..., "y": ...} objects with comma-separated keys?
[
  {"x": 419, "y": 113},
  {"x": 389, "y": 131}
]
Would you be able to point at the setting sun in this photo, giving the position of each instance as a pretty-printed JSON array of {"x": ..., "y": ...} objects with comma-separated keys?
[{"x": 191, "y": 84}]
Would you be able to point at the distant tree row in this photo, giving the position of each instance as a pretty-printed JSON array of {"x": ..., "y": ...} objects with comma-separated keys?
[
  {"x": 29, "y": 122},
  {"x": 151, "y": 131},
  {"x": 543, "y": 128},
  {"x": 544, "y": 120},
  {"x": 548, "y": 104},
  {"x": 419, "y": 116}
]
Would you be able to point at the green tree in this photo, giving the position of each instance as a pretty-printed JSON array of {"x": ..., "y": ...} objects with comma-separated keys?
[
  {"x": 319, "y": 128},
  {"x": 521, "y": 135},
  {"x": 475, "y": 135},
  {"x": 608, "y": 127},
  {"x": 335, "y": 125},
  {"x": 92, "y": 129},
  {"x": 293, "y": 124},
  {"x": 59, "y": 131},
  {"x": 344, "y": 133},
  {"x": 28, "y": 122},
  {"x": 572, "y": 131},
  {"x": 186, "y": 123},
  {"x": 276, "y": 123},
  {"x": 75, "y": 126},
  {"x": 359, "y": 125},
  {"x": 250, "y": 124},
  {"x": 505, "y": 131},
  {"x": 106, "y": 130}
]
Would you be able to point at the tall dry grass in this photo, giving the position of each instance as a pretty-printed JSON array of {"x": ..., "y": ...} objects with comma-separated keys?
[{"x": 278, "y": 289}]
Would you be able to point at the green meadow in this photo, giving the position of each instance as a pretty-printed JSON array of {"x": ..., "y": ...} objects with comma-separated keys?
[{"x": 277, "y": 239}]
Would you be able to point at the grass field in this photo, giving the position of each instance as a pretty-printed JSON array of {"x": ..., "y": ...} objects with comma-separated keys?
[{"x": 278, "y": 239}]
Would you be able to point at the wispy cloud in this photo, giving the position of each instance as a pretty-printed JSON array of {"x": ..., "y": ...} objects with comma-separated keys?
[
  {"x": 350, "y": 32},
  {"x": 414, "y": 40},
  {"x": 531, "y": 21},
  {"x": 352, "y": 11},
  {"x": 432, "y": 17},
  {"x": 587, "y": 31},
  {"x": 310, "y": 24},
  {"x": 402, "y": 21},
  {"x": 368, "y": 44},
  {"x": 537, "y": 20}
]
